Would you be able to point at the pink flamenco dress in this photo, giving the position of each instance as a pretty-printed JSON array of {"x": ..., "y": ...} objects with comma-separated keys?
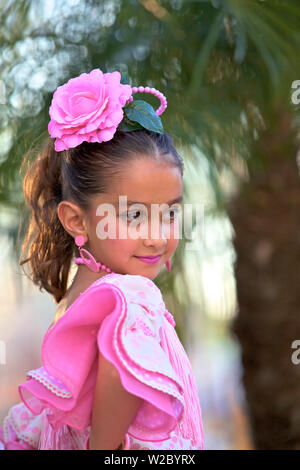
[{"x": 123, "y": 316}]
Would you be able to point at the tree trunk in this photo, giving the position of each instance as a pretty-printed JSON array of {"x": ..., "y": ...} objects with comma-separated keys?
[{"x": 266, "y": 220}]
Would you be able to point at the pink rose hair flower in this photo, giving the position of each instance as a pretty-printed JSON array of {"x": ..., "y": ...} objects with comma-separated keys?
[{"x": 87, "y": 108}]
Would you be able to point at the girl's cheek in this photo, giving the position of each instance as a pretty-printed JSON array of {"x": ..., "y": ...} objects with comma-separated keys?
[
  {"x": 123, "y": 229},
  {"x": 111, "y": 228},
  {"x": 174, "y": 238}
]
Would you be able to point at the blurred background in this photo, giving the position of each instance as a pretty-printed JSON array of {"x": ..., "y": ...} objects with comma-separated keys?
[{"x": 230, "y": 72}]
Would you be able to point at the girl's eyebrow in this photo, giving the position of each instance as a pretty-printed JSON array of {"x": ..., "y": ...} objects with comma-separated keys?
[{"x": 178, "y": 199}]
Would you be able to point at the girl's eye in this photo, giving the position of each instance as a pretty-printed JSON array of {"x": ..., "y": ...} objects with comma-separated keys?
[
  {"x": 138, "y": 215},
  {"x": 132, "y": 216},
  {"x": 173, "y": 213}
]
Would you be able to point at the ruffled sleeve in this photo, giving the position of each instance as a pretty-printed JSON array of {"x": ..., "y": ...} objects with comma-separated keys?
[{"x": 120, "y": 315}]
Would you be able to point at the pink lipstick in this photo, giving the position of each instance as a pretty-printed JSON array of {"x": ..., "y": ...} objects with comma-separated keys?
[{"x": 149, "y": 259}]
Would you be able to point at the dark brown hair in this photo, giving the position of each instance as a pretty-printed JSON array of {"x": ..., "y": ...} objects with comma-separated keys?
[{"x": 76, "y": 175}]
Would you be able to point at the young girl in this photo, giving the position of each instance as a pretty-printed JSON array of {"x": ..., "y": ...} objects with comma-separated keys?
[{"x": 114, "y": 374}]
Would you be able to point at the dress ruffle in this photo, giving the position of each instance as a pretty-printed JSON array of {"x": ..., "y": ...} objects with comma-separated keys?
[
  {"x": 22, "y": 430},
  {"x": 122, "y": 316}
]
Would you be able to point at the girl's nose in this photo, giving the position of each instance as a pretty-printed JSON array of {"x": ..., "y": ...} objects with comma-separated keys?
[{"x": 157, "y": 236}]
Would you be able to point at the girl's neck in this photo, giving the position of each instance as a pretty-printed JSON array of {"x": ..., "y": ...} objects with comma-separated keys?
[{"x": 84, "y": 277}]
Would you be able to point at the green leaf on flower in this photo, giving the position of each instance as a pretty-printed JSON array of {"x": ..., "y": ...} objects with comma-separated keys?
[
  {"x": 127, "y": 126},
  {"x": 142, "y": 112}
]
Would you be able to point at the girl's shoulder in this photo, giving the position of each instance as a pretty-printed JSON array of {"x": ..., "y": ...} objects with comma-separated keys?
[
  {"x": 136, "y": 289},
  {"x": 142, "y": 300}
]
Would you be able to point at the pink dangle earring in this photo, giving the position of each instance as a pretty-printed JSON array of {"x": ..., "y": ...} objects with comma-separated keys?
[
  {"x": 90, "y": 262},
  {"x": 168, "y": 265}
]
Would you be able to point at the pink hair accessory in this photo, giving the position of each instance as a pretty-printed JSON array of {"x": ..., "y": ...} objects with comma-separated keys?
[
  {"x": 158, "y": 94},
  {"x": 89, "y": 108}
]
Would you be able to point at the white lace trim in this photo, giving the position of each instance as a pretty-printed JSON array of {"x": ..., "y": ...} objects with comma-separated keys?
[
  {"x": 6, "y": 430},
  {"x": 53, "y": 388}
]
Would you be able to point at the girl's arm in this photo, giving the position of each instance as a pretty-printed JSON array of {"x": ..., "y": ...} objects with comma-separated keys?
[{"x": 113, "y": 409}]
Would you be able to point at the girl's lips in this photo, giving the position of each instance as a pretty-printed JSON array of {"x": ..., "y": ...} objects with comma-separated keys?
[{"x": 149, "y": 259}]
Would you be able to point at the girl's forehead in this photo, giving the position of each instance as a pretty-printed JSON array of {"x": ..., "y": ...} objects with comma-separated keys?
[
  {"x": 142, "y": 163},
  {"x": 164, "y": 184},
  {"x": 147, "y": 174},
  {"x": 144, "y": 184}
]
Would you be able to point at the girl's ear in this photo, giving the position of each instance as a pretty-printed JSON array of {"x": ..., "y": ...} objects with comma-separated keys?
[{"x": 72, "y": 219}]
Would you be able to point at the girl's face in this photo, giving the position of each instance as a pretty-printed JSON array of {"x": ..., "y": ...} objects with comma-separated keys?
[{"x": 145, "y": 183}]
